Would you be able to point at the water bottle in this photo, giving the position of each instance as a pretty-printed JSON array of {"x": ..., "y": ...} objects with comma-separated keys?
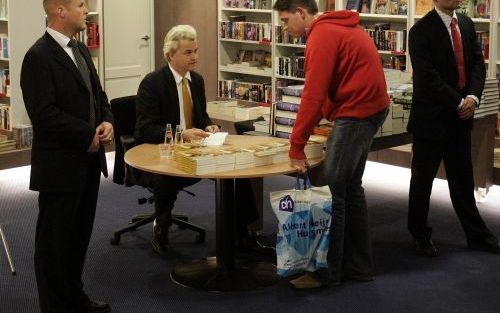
[
  {"x": 169, "y": 141},
  {"x": 178, "y": 134}
]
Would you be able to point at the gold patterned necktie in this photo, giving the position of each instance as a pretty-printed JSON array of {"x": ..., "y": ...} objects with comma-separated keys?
[{"x": 187, "y": 103}]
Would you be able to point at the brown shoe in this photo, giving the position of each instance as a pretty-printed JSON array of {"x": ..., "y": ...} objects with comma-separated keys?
[{"x": 309, "y": 280}]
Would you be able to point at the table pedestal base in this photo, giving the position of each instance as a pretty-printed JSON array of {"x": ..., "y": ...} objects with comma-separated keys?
[{"x": 204, "y": 274}]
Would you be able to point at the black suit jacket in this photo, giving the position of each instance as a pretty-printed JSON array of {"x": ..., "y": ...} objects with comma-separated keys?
[
  {"x": 57, "y": 102},
  {"x": 435, "y": 95},
  {"x": 157, "y": 104}
]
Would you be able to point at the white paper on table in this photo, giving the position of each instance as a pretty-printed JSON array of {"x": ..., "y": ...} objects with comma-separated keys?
[{"x": 215, "y": 139}]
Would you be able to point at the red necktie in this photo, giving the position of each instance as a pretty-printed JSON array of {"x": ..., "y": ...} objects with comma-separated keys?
[{"x": 459, "y": 53}]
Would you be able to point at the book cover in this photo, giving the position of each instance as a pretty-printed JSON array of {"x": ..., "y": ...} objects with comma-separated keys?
[{"x": 422, "y": 7}]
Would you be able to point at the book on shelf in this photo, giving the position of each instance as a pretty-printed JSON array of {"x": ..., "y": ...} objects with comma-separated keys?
[
  {"x": 293, "y": 90},
  {"x": 4, "y": 46},
  {"x": 284, "y": 121},
  {"x": 286, "y": 114},
  {"x": 248, "y": 4},
  {"x": 92, "y": 35},
  {"x": 465, "y": 7},
  {"x": 482, "y": 8},
  {"x": 5, "y": 117},
  {"x": 250, "y": 31},
  {"x": 7, "y": 145},
  {"x": 290, "y": 99},
  {"x": 287, "y": 106},
  {"x": 241, "y": 90},
  {"x": 483, "y": 39},
  {"x": 422, "y": 7}
]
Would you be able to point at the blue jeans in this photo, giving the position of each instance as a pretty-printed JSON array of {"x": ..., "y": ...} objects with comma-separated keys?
[{"x": 350, "y": 251}]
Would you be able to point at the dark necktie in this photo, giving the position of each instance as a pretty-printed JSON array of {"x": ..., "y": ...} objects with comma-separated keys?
[
  {"x": 459, "y": 53},
  {"x": 84, "y": 71}
]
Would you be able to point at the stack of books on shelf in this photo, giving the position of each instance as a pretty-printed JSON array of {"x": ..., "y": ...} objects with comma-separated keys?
[
  {"x": 257, "y": 61},
  {"x": 225, "y": 108},
  {"x": 6, "y": 144},
  {"x": 232, "y": 110},
  {"x": 489, "y": 100},
  {"x": 5, "y": 117},
  {"x": 286, "y": 110},
  {"x": 203, "y": 160},
  {"x": 241, "y": 90},
  {"x": 260, "y": 32},
  {"x": 4, "y": 46},
  {"x": 399, "y": 110},
  {"x": 23, "y": 135},
  {"x": 391, "y": 7},
  {"x": 248, "y": 4}
]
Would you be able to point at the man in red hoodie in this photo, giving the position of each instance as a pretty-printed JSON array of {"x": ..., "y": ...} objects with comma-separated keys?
[{"x": 344, "y": 82}]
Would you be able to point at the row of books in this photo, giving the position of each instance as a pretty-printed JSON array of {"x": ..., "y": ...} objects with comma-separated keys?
[
  {"x": 241, "y": 90},
  {"x": 292, "y": 66},
  {"x": 5, "y": 116},
  {"x": 260, "y": 32},
  {"x": 4, "y": 46},
  {"x": 89, "y": 36},
  {"x": 282, "y": 36},
  {"x": 392, "y": 7},
  {"x": 388, "y": 40},
  {"x": 471, "y": 8},
  {"x": 248, "y": 4}
]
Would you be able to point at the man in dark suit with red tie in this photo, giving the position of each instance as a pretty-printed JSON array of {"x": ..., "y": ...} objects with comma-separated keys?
[
  {"x": 448, "y": 80},
  {"x": 71, "y": 122}
]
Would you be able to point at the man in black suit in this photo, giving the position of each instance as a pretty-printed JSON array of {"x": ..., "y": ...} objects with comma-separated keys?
[
  {"x": 71, "y": 123},
  {"x": 175, "y": 94},
  {"x": 448, "y": 80}
]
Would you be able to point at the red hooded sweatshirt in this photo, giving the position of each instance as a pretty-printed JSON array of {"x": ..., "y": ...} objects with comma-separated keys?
[{"x": 344, "y": 76}]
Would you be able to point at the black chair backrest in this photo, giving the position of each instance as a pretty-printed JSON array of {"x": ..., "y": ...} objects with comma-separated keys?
[{"x": 124, "y": 115}]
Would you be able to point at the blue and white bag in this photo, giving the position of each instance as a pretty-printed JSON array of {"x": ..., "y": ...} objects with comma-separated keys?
[{"x": 304, "y": 219}]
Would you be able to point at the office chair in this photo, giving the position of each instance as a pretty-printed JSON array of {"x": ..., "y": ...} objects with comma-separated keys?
[{"x": 124, "y": 114}]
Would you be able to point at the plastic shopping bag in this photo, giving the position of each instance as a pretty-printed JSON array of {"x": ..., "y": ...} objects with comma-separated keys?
[{"x": 304, "y": 219}]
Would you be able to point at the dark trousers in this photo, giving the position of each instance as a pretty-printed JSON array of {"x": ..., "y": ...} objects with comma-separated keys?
[
  {"x": 166, "y": 188},
  {"x": 455, "y": 151},
  {"x": 62, "y": 237},
  {"x": 350, "y": 250}
]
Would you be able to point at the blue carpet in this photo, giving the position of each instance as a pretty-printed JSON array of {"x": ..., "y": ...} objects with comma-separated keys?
[{"x": 133, "y": 279}]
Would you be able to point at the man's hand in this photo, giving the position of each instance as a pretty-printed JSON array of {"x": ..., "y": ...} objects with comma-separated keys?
[
  {"x": 194, "y": 134},
  {"x": 212, "y": 128},
  {"x": 94, "y": 146},
  {"x": 105, "y": 132},
  {"x": 467, "y": 110},
  {"x": 300, "y": 165}
]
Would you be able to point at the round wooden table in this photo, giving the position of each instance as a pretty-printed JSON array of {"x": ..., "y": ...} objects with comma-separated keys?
[{"x": 223, "y": 272}]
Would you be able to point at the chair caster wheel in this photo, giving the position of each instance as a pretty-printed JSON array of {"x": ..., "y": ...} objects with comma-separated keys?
[
  {"x": 200, "y": 238},
  {"x": 115, "y": 240}
]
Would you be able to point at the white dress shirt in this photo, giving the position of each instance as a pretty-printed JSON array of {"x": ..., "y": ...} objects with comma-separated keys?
[
  {"x": 63, "y": 41},
  {"x": 178, "y": 82}
]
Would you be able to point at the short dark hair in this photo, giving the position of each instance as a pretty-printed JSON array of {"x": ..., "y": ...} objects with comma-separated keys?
[{"x": 291, "y": 5}]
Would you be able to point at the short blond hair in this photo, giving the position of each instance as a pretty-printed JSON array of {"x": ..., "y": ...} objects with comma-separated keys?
[{"x": 176, "y": 34}]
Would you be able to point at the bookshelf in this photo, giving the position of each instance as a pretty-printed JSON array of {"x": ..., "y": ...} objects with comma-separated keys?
[
  {"x": 95, "y": 45},
  {"x": 22, "y": 22}
]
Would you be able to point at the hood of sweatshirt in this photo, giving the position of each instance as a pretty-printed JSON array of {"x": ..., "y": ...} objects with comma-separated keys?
[{"x": 342, "y": 18}]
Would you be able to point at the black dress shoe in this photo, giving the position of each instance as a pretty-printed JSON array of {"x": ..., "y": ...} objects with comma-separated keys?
[
  {"x": 159, "y": 240},
  {"x": 490, "y": 245},
  {"x": 426, "y": 248},
  {"x": 92, "y": 306}
]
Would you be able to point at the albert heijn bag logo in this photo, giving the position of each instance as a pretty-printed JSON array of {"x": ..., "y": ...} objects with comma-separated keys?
[{"x": 286, "y": 204}]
